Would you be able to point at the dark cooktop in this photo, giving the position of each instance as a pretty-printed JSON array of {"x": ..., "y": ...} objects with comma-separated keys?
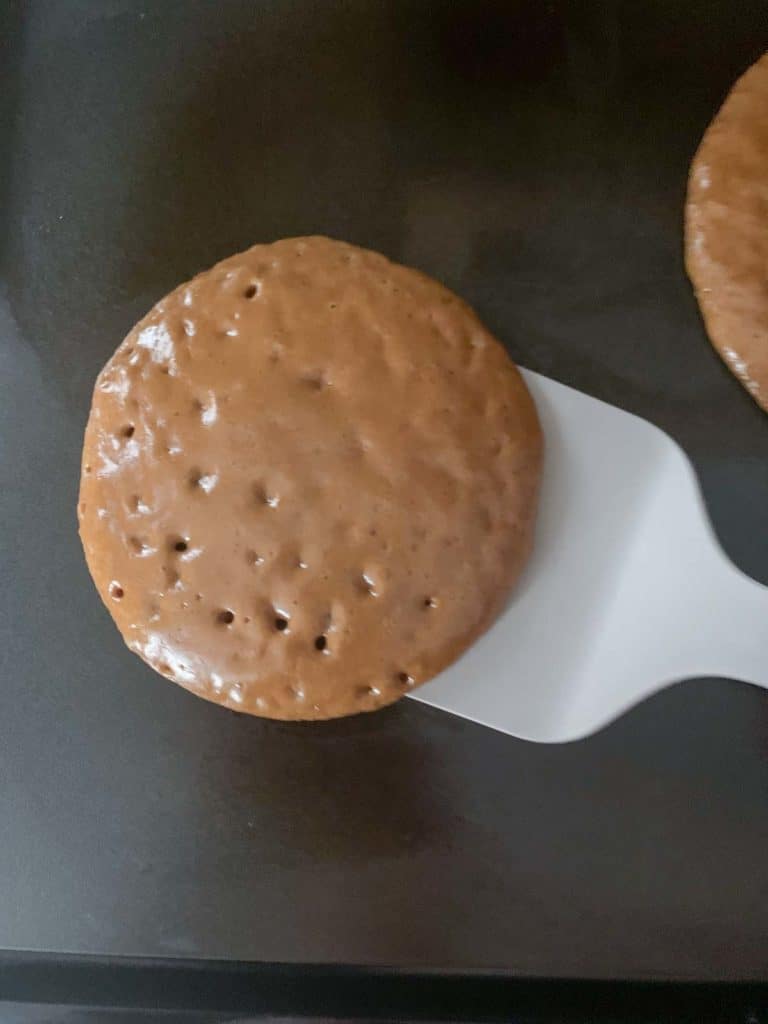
[{"x": 531, "y": 155}]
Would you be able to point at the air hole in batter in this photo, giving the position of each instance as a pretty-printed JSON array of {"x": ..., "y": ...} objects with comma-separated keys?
[
  {"x": 368, "y": 585},
  {"x": 226, "y": 617},
  {"x": 369, "y": 691},
  {"x": 205, "y": 481},
  {"x": 264, "y": 497},
  {"x": 404, "y": 679},
  {"x": 180, "y": 545},
  {"x": 251, "y": 291},
  {"x": 281, "y": 623},
  {"x": 316, "y": 381},
  {"x": 321, "y": 643},
  {"x": 116, "y": 591},
  {"x": 129, "y": 430}
]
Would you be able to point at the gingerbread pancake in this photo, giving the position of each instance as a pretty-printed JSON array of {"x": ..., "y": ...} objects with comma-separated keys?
[
  {"x": 309, "y": 481},
  {"x": 726, "y": 230}
]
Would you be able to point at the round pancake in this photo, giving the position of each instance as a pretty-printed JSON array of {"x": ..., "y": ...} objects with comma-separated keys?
[
  {"x": 726, "y": 236},
  {"x": 309, "y": 481}
]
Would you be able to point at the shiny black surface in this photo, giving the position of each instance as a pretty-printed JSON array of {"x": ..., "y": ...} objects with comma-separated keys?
[
  {"x": 40, "y": 990},
  {"x": 533, "y": 156}
]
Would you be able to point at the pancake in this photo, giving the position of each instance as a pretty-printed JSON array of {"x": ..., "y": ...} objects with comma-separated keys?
[
  {"x": 309, "y": 481},
  {"x": 726, "y": 230}
]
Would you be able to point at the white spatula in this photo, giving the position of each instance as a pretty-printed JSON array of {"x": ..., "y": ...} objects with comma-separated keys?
[{"x": 627, "y": 591}]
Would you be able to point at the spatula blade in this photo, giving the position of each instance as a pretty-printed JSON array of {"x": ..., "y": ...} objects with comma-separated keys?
[{"x": 617, "y": 592}]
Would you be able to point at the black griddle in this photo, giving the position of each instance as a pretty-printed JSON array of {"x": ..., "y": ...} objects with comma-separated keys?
[{"x": 532, "y": 156}]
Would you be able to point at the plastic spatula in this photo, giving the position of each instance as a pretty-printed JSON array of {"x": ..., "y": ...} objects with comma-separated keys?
[{"x": 627, "y": 590}]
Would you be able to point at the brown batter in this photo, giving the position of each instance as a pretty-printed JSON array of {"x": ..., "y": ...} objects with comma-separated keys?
[
  {"x": 726, "y": 243},
  {"x": 309, "y": 481}
]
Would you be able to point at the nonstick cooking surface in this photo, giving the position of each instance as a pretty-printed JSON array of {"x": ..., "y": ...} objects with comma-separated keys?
[{"x": 533, "y": 157}]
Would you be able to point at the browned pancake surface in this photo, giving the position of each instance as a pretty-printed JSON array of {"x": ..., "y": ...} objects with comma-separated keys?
[
  {"x": 726, "y": 242},
  {"x": 309, "y": 481}
]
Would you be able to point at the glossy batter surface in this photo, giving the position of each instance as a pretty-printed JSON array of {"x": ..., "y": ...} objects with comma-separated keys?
[
  {"x": 309, "y": 481},
  {"x": 726, "y": 242}
]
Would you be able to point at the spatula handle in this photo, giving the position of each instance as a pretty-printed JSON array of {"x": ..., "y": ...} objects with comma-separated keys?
[
  {"x": 683, "y": 609},
  {"x": 719, "y": 615},
  {"x": 733, "y": 612}
]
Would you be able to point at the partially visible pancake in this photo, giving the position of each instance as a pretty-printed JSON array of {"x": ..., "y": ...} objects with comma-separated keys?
[
  {"x": 726, "y": 230},
  {"x": 309, "y": 481}
]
